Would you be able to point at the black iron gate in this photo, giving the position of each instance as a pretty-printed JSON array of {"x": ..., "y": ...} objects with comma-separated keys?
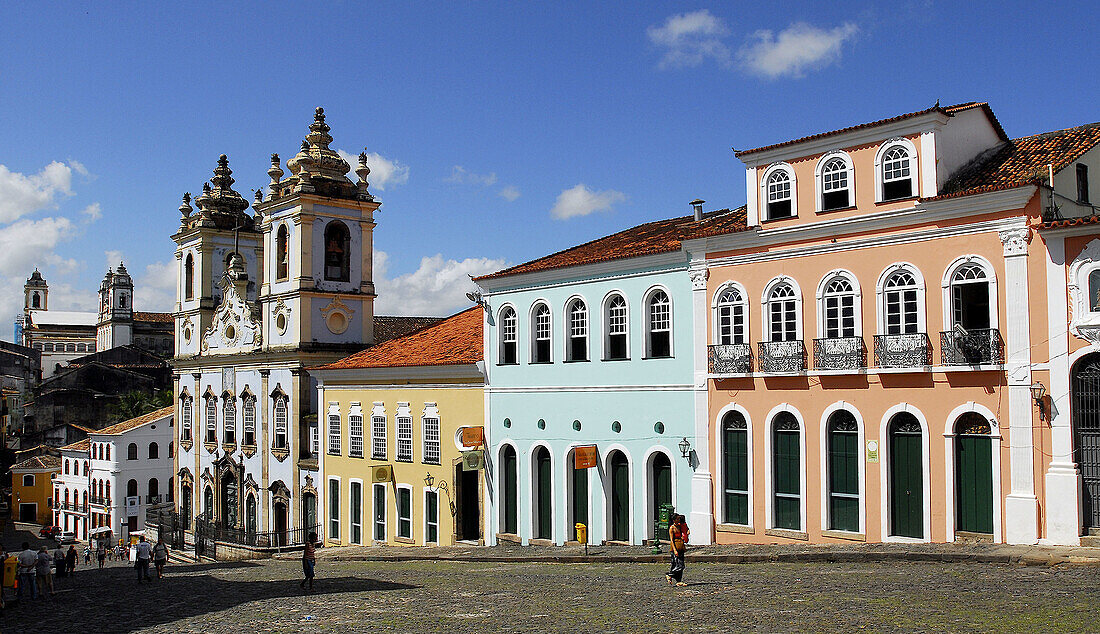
[
  {"x": 206, "y": 544},
  {"x": 170, "y": 528},
  {"x": 1085, "y": 392}
]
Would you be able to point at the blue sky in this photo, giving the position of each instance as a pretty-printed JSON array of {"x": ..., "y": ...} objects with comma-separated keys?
[{"x": 500, "y": 132}]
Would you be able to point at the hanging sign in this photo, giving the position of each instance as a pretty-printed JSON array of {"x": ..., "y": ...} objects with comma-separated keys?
[
  {"x": 585, "y": 457},
  {"x": 872, "y": 451},
  {"x": 473, "y": 436}
]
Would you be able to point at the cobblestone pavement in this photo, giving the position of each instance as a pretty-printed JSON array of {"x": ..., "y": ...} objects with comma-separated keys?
[{"x": 430, "y": 596}]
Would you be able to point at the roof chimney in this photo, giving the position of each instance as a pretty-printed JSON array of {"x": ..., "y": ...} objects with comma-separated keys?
[{"x": 697, "y": 205}]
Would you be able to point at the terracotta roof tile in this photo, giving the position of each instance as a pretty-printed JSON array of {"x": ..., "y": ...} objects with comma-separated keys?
[
  {"x": 1021, "y": 161},
  {"x": 455, "y": 340},
  {"x": 661, "y": 236},
  {"x": 164, "y": 318},
  {"x": 386, "y": 328},
  {"x": 127, "y": 425},
  {"x": 1071, "y": 222},
  {"x": 949, "y": 110},
  {"x": 39, "y": 462},
  {"x": 80, "y": 445}
]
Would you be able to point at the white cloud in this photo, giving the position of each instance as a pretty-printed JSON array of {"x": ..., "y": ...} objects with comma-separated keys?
[
  {"x": 25, "y": 243},
  {"x": 689, "y": 39},
  {"x": 383, "y": 171},
  {"x": 509, "y": 193},
  {"x": 113, "y": 258},
  {"x": 155, "y": 288},
  {"x": 461, "y": 176},
  {"x": 581, "y": 201},
  {"x": 437, "y": 288},
  {"x": 794, "y": 50},
  {"x": 21, "y": 194},
  {"x": 93, "y": 212}
]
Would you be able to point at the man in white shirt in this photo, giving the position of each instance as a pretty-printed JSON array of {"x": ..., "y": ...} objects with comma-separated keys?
[
  {"x": 27, "y": 560},
  {"x": 144, "y": 555}
]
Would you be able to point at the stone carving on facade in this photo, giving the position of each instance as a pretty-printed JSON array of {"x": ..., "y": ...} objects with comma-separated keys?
[
  {"x": 1015, "y": 241},
  {"x": 233, "y": 327},
  {"x": 308, "y": 487},
  {"x": 1084, "y": 305},
  {"x": 698, "y": 279},
  {"x": 280, "y": 316},
  {"x": 337, "y": 316}
]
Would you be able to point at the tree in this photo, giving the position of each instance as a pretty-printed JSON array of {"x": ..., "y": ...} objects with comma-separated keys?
[{"x": 137, "y": 403}]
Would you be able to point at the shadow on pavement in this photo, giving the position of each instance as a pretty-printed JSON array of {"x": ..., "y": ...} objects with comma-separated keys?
[{"x": 111, "y": 600}]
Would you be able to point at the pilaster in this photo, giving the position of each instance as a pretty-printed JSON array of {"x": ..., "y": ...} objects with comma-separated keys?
[{"x": 702, "y": 502}]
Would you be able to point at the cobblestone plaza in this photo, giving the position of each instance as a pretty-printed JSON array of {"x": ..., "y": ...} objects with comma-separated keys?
[{"x": 432, "y": 596}]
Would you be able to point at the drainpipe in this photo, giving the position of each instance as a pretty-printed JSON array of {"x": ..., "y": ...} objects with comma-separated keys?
[{"x": 697, "y": 206}]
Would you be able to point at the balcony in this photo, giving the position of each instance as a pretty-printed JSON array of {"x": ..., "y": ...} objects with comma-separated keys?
[
  {"x": 903, "y": 351},
  {"x": 971, "y": 347},
  {"x": 840, "y": 353},
  {"x": 731, "y": 358},
  {"x": 782, "y": 356}
]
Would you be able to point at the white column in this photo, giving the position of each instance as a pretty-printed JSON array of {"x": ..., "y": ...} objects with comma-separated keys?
[
  {"x": 702, "y": 503},
  {"x": 1063, "y": 480},
  {"x": 1021, "y": 505}
]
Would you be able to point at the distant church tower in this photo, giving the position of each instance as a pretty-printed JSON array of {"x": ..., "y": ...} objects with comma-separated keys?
[
  {"x": 36, "y": 293},
  {"x": 115, "y": 326}
]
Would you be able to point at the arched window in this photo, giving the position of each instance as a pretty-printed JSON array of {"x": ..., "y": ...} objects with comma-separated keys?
[
  {"x": 36, "y": 300},
  {"x": 896, "y": 173},
  {"x": 66, "y": 466},
  {"x": 85, "y": 469},
  {"x": 780, "y": 190},
  {"x": 735, "y": 469},
  {"x": 131, "y": 488},
  {"x": 835, "y": 184},
  {"x": 337, "y": 252},
  {"x": 171, "y": 451},
  {"x": 248, "y": 408},
  {"x": 250, "y": 513},
  {"x": 729, "y": 317},
  {"x": 189, "y": 277},
  {"x": 211, "y": 420},
  {"x": 107, "y": 451},
  {"x": 782, "y": 313},
  {"x": 786, "y": 472},
  {"x": 229, "y": 423},
  {"x": 900, "y": 305},
  {"x": 185, "y": 416},
  {"x": 1094, "y": 291},
  {"x": 616, "y": 347},
  {"x": 131, "y": 451},
  {"x": 970, "y": 297},
  {"x": 154, "y": 491},
  {"x": 122, "y": 301},
  {"x": 838, "y": 309},
  {"x": 658, "y": 325},
  {"x": 282, "y": 253},
  {"x": 509, "y": 336},
  {"x": 540, "y": 331},
  {"x": 154, "y": 451},
  {"x": 208, "y": 504},
  {"x": 577, "y": 314},
  {"x": 843, "y": 470},
  {"x": 280, "y": 423}
]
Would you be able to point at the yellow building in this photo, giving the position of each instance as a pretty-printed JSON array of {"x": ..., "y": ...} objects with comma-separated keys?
[
  {"x": 393, "y": 422},
  {"x": 32, "y": 488}
]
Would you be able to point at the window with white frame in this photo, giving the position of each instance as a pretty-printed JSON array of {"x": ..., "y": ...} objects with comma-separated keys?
[
  {"x": 355, "y": 511},
  {"x": 838, "y": 308},
  {"x": 404, "y": 512},
  {"x": 1094, "y": 291},
  {"x": 900, "y": 305},
  {"x": 659, "y": 325},
  {"x": 248, "y": 411},
  {"x": 378, "y": 433},
  {"x": 431, "y": 438},
  {"x": 185, "y": 418},
  {"x": 540, "y": 345},
  {"x": 616, "y": 317},
  {"x": 404, "y": 435},
  {"x": 835, "y": 184},
  {"x": 229, "y": 427},
  {"x": 780, "y": 189},
  {"x": 211, "y": 420},
  {"x": 509, "y": 336},
  {"x": 379, "y": 512},
  {"x": 355, "y": 434},
  {"x": 578, "y": 331},
  {"x": 280, "y": 417},
  {"x": 970, "y": 297},
  {"x": 730, "y": 317},
  {"x": 897, "y": 173},
  {"x": 782, "y": 313},
  {"x": 334, "y": 431},
  {"x": 334, "y": 509},
  {"x": 431, "y": 517}
]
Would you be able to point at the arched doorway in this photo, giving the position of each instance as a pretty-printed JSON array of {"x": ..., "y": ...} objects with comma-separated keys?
[
  {"x": 280, "y": 517},
  {"x": 543, "y": 497},
  {"x": 510, "y": 490},
  {"x": 660, "y": 479},
  {"x": 229, "y": 500},
  {"x": 973, "y": 474},
  {"x": 309, "y": 511},
  {"x": 1085, "y": 403},
  {"x": 843, "y": 469},
  {"x": 620, "y": 496},
  {"x": 250, "y": 513},
  {"x": 185, "y": 505},
  {"x": 906, "y": 454},
  {"x": 208, "y": 504},
  {"x": 578, "y": 492}
]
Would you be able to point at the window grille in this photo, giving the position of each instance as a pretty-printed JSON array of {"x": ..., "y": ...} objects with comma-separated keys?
[
  {"x": 431, "y": 440},
  {"x": 896, "y": 178},
  {"x": 211, "y": 421},
  {"x": 616, "y": 328},
  {"x": 229, "y": 429},
  {"x": 280, "y": 423},
  {"x": 355, "y": 435},
  {"x": 542, "y": 334},
  {"x": 840, "y": 309},
  {"x": 404, "y": 438},
  {"x": 508, "y": 336},
  {"x": 578, "y": 331},
  {"x": 334, "y": 433},
  {"x": 185, "y": 423},
  {"x": 249, "y": 411},
  {"x": 660, "y": 325},
  {"x": 731, "y": 317},
  {"x": 378, "y": 437},
  {"x": 783, "y": 314},
  {"x": 900, "y": 298}
]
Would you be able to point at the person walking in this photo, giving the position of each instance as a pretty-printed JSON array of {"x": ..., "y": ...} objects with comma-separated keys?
[
  {"x": 160, "y": 557},
  {"x": 144, "y": 554},
  {"x": 70, "y": 560},
  {"x": 101, "y": 555},
  {"x": 59, "y": 565},
  {"x": 42, "y": 572},
  {"x": 88, "y": 555},
  {"x": 27, "y": 560},
  {"x": 677, "y": 536},
  {"x": 309, "y": 561}
]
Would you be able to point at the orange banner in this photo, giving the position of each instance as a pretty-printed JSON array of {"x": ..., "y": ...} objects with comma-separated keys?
[
  {"x": 473, "y": 436},
  {"x": 585, "y": 457}
]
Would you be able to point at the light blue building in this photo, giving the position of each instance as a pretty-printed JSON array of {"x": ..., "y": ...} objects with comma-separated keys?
[{"x": 594, "y": 347}]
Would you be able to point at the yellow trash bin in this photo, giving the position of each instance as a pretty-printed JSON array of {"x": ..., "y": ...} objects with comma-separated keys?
[
  {"x": 582, "y": 533},
  {"x": 11, "y": 564}
]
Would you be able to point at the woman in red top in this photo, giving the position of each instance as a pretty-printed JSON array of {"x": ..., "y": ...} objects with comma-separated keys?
[
  {"x": 309, "y": 560},
  {"x": 677, "y": 536}
]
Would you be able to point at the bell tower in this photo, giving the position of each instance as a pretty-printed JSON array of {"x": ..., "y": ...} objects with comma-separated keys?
[
  {"x": 116, "y": 310},
  {"x": 318, "y": 228},
  {"x": 36, "y": 293}
]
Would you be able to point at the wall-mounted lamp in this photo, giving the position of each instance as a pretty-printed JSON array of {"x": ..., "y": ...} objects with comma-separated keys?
[
  {"x": 685, "y": 447},
  {"x": 1037, "y": 392},
  {"x": 429, "y": 480}
]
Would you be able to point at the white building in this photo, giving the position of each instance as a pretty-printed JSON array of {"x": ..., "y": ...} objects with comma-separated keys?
[{"x": 71, "y": 490}]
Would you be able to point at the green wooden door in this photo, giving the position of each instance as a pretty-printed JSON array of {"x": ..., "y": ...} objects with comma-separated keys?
[
  {"x": 662, "y": 482},
  {"x": 787, "y": 471},
  {"x": 543, "y": 501},
  {"x": 620, "y": 497},
  {"x": 906, "y": 477},
  {"x": 580, "y": 499},
  {"x": 974, "y": 483},
  {"x": 735, "y": 469},
  {"x": 843, "y": 472},
  {"x": 511, "y": 514}
]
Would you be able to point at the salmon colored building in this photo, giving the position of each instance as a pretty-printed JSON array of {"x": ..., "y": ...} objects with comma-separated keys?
[{"x": 876, "y": 339}]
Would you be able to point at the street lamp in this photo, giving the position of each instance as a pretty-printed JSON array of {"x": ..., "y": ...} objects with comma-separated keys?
[
  {"x": 1037, "y": 392},
  {"x": 429, "y": 480},
  {"x": 685, "y": 447}
]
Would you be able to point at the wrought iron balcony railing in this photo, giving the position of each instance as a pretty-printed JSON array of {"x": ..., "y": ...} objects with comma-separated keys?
[
  {"x": 840, "y": 353},
  {"x": 730, "y": 358},
  {"x": 903, "y": 351},
  {"x": 782, "y": 356},
  {"x": 971, "y": 347}
]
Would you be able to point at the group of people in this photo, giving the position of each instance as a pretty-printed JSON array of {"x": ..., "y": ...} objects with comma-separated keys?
[{"x": 38, "y": 568}]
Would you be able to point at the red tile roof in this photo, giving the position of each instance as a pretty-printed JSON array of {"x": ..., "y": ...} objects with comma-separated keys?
[
  {"x": 38, "y": 462},
  {"x": 1071, "y": 222},
  {"x": 1022, "y": 161},
  {"x": 661, "y": 236},
  {"x": 80, "y": 445},
  {"x": 949, "y": 110},
  {"x": 127, "y": 425},
  {"x": 164, "y": 318},
  {"x": 455, "y": 340},
  {"x": 386, "y": 328}
]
